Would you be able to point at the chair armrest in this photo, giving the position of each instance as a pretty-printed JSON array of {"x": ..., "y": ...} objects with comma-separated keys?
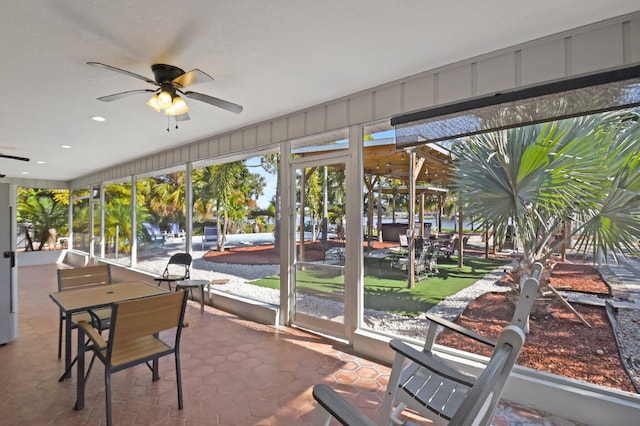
[
  {"x": 431, "y": 362},
  {"x": 459, "y": 329},
  {"x": 93, "y": 335},
  {"x": 339, "y": 408}
]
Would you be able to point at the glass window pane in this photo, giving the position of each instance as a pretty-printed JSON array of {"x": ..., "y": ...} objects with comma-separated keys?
[
  {"x": 320, "y": 242},
  {"x": 81, "y": 215},
  {"x": 117, "y": 227},
  {"x": 235, "y": 226},
  {"x": 42, "y": 218},
  {"x": 161, "y": 215}
]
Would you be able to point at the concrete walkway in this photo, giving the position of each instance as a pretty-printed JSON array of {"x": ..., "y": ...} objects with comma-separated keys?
[{"x": 624, "y": 280}]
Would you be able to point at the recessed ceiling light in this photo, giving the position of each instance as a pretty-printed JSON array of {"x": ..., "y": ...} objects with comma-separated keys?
[
  {"x": 65, "y": 146},
  {"x": 98, "y": 118},
  {"x": 40, "y": 162},
  {"x": 25, "y": 173}
]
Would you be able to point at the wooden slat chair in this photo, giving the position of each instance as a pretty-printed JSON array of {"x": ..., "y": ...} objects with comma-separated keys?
[
  {"x": 135, "y": 338},
  {"x": 76, "y": 278},
  {"x": 428, "y": 385},
  {"x": 458, "y": 398}
]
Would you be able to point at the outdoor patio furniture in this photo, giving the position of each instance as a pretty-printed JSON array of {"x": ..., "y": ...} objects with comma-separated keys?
[
  {"x": 175, "y": 231},
  {"x": 135, "y": 339},
  {"x": 210, "y": 235},
  {"x": 154, "y": 233},
  {"x": 451, "y": 247},
  {"x": 425, "y": 264},
  {"x": 377, "y": 261},
  {"x": 76, "y": 278},
  {"x": 335, "y": 255},
  {"x": 434, "y": 388},
  {"x": 189, "y": 285},
  {"x": 177, "y": 269},
  {"x": 431, "y": 387}
]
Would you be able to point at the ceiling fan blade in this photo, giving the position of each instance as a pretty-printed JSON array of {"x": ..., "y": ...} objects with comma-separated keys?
[
  {"x": 229, "y": 106},
  {"x": 14, "y": 157},
  {"x": 121, "y": 95},
  {"x": 129, "y": 73},
  {"x": 183, "y": 117},
  {"x": 192, "y": 77},
  {"x": 2, "y": 175}
]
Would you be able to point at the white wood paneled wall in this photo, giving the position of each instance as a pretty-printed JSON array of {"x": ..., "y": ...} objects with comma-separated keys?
[{"x": 601, "y": 46}]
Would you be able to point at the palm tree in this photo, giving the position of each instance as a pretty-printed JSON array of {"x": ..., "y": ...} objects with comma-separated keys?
[
  {"x": 585, "y": 170},
  {"x": 271, "y": 164},
  {"x": 45, "y": 209},
  {"x": 164, "y": 197},
  {"x": 217, "y": 186},
  {"x": 313, "y": 196}
]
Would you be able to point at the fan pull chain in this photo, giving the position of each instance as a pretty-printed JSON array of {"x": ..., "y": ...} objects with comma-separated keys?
[{"x": 168, "y": 121}]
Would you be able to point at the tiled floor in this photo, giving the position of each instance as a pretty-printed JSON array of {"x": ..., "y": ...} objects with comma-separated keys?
[{"x": 235, "y": 372}]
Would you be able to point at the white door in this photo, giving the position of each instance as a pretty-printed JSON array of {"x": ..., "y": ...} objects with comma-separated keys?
[
  {"x": 318, "y": 241},
  {"x": 8, "y": 267}
]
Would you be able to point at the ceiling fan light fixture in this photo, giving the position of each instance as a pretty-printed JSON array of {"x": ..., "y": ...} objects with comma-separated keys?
[
  {"x": 178, "y": 106},
  {"x": 164, "y": 99},
  {"x": 153, "y": 103}
]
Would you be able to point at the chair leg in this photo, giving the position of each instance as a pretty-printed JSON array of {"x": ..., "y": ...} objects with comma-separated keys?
[
  {"x": 155, "y": 375},
  {"x": 201, "y": 300},
  {"x": 179, "y": 380},
  {"x": 168, "y": 283},
  {"x": 107, "y": 392},
  {"x": 386, "y": 409},
  {"x": 60, "y": 338}
]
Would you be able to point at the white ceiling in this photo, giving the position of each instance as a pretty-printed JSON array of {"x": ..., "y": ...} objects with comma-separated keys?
[{"x": 273, "y": 57}]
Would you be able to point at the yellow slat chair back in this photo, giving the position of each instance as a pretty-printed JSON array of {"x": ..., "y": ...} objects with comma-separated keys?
[
  {"x": 142, "y": 318},
  {"x": 84, "y": 276},
  {"x": 135, "y": 337},
  {"x": 76, "y": 278}
]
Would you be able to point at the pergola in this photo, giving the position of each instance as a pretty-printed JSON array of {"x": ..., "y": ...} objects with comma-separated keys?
[
  {"x": 382, "y": 158},
  {"x": 425, "y": 170},
  {"x": 422, "y": 170}
]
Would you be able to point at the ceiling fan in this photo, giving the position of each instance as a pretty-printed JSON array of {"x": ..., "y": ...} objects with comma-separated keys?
[
  {"x": 170, "y": 80},
  {"x": 12, "y": 157}
]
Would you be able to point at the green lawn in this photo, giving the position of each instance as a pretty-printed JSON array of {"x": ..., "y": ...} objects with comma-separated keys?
[{"x": 390, "y": 293}]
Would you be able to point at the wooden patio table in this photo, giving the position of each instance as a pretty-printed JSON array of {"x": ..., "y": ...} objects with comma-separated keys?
[{"x": 91, "y": 298}]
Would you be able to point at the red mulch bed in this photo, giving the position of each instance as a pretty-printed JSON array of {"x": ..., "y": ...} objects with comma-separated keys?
[
  {"x": 558, "y": 342},
  {"x": 260, "y": 255},
  {"x": 266, "y": 255}
]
